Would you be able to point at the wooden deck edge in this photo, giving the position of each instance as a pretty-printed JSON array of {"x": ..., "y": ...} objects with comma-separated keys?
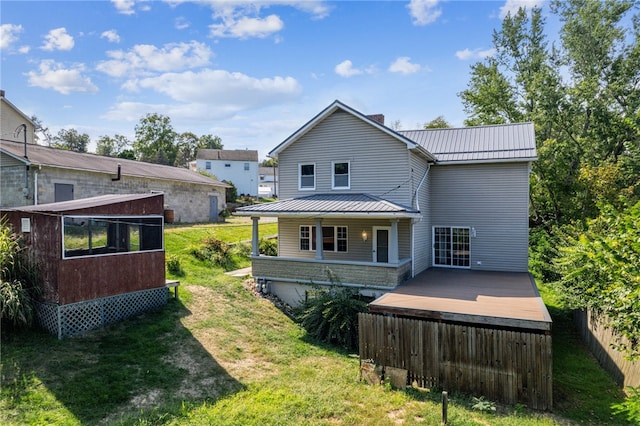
[{"x": 479, "y": 320}]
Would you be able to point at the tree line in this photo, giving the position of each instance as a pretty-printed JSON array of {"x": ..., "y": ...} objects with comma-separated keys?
[
  {"x": 155, "y": 142},
  {"x": 582, "y": 92}
]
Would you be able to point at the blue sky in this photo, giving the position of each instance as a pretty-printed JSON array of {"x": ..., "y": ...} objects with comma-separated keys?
[{"x": 249, "y": 72}]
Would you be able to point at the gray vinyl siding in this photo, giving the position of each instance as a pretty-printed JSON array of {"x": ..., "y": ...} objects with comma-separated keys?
[
  {"x": 421, "y": 228},
  {"x": 379, "y": 164},
  {"x": 357, "y": 250},
  {"x": 493, "y": 199}
]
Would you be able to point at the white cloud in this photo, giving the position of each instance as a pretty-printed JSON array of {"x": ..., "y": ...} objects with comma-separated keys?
[
  {"x": 181, "y": 23},
  {"x": 9, "y": 35},
  {"x": 208, "y": 95},
  {"x": 345, "y": 69},
  {"x": 58, "y": 39},
  {"x": 247, "y": 27},
  {"x": 403, "y": 65},
  {"x": 222, "y": 87},
  {"x": 111, "y": 35},
  {"x": 24, "y": 49},
  {"x": 145, "y": 58},
  {"x": 53, "y": 75},
  {"x": 467, "y": 54},
  {"x": 512, "y": 6},
  {"x": 424, "y": 12},
  {"x": 124, "y": 7}
]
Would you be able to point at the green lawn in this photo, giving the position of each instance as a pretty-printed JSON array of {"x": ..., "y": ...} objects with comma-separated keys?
[{"x": 222, "y": 356}]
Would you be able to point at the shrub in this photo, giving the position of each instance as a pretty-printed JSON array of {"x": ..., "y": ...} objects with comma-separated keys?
[
  {"x": 331, "y": 315},
  {"x": 215, "y": 251},
  {"x": 231, "y": 193},
  {"x": 18, "y": 279},
  {"x": 631, "y": 406},
  {"x": 173, "y": 265},
  {"x": 268, "y": 247}
]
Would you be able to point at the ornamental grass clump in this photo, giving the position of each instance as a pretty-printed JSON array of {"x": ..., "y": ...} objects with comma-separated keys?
[{"x": 18, "y": 280}]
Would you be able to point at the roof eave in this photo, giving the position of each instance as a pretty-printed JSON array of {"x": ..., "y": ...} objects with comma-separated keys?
[
  {"x": 330, "y": 110},
  {"x": 488, "y": 161},
  {"x": 324, "y": 214}
]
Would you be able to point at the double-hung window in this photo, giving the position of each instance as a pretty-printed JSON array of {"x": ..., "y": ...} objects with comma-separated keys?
[
  {"x": 307, "y": 176},
  {"x": 341, "y": 175},
  {"x": 334, "y": 238},
  {"x": 451, "y": 246}
]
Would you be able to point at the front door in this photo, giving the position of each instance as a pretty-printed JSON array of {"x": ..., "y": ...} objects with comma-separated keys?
[{"x": 381, "y": 243}]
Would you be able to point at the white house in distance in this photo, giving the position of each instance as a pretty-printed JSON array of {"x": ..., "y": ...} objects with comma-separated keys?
[
  {"x": 237, "y": 166},
  {"x": 268, "y": 186}
]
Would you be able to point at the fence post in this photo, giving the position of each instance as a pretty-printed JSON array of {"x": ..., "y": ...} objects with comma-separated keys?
[{"x": 445, "y": 403}]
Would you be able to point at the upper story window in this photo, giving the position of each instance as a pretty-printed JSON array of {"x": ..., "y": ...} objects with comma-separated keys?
[
  {"x": 227, "y": 165},
  {"x": 307, "y": 176},
  {"x": 341, "y": 176},
  {"x": 246, "y": 166},
  {"x": 208, "y": 165}
]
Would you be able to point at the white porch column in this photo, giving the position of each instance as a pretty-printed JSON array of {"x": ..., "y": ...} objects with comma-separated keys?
[
  {"x": 255, "y": 251},
  {"x": 393, "y": 242},
  {"x": 319, "y": 254}
]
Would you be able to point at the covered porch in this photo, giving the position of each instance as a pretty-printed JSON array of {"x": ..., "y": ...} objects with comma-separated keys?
[{"x": 348, "y": 239}]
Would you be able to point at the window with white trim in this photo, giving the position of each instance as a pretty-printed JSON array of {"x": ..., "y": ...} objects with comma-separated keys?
[
  {"x": 307, "y": 176},
  {"x": 340, "y": 175},
  {"x": 451, "y": 246},
  {"x": 334, "y": 238}
]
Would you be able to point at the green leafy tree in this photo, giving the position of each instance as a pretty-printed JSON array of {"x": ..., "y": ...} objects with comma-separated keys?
[
  {"x": 585, "y": 118},
  {"x": 600, "y": 270},
  {"x": 437, "y": 123},
  {"x": 269, "y": 162},
  {"x": 71, "y": 140},
  {"x": 187, "y": 145},
  {"x": 155, "y": 140},
  {"x": 209, "y": 142},
  {"x": 41, "y": 132},
  {"x": 112, "y": 146}
]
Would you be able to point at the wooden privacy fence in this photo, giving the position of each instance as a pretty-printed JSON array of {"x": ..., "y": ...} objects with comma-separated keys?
[
  {"x": 501, "y": 365},
  {"x": 599, "y": 338}
]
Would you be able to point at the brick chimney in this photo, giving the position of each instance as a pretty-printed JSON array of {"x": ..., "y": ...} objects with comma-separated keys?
[{"x": 377, "y": 117}]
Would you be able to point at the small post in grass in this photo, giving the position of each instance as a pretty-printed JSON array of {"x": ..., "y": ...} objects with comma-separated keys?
[{"x": 445, "y": 402}]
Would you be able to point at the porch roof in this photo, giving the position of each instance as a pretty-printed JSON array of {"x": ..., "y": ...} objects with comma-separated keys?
[
  {"x": 502, "y": 299},
  {"x": 328, "y": 205}
]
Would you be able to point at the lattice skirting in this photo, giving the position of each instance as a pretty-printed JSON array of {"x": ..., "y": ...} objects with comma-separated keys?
[{"x": 76, "y": 318}]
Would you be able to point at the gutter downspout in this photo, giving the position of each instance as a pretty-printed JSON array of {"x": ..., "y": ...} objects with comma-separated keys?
[
  {"x": 413, "y": 229},
  {"x": 35, "y": 188}
]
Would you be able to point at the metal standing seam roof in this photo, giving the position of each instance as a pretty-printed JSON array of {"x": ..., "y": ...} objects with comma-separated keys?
[
  {"x": 83, "y": 203},
  {"x": 327, "y": 204},
  {"x": 52, "y": 157},
  {"x": 478, "y": 143}
]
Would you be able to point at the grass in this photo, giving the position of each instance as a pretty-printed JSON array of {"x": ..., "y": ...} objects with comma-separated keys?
[{"x": 222, "y": 356}]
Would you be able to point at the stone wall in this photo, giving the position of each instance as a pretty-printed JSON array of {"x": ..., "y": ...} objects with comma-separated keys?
[{"x": 308, "y": 270}]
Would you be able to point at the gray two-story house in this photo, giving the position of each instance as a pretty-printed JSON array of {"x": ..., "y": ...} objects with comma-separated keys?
[{"x": 387, "y": 205}]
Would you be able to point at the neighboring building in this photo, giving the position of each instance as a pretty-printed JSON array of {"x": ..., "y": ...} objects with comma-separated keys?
[
  {"x": 268, "y": 186},
  {"x": 13, "y": 122},
  {"x": 48, "y": 175},
  {"x": 100, "y": 259},
  {"x": 239, "y": 167},
  {"x": 388, "y": 205}
]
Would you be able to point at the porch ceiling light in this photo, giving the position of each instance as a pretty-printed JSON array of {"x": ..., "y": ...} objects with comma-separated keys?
[{"x": 365, "y": 237}]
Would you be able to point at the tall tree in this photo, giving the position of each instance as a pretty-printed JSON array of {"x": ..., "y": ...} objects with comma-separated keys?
[
  {"x": 40, "y": 132},
  {"x": 582, "y": 115},
  {"x": 209, "y": 142},
  {"x": 187, "y": 144},
  {"x": 155, "y": 140},
  {"x": 437, "y": 123},
  {"x": 71, "y": 140},
  {"x": 111, "y": 146}
]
